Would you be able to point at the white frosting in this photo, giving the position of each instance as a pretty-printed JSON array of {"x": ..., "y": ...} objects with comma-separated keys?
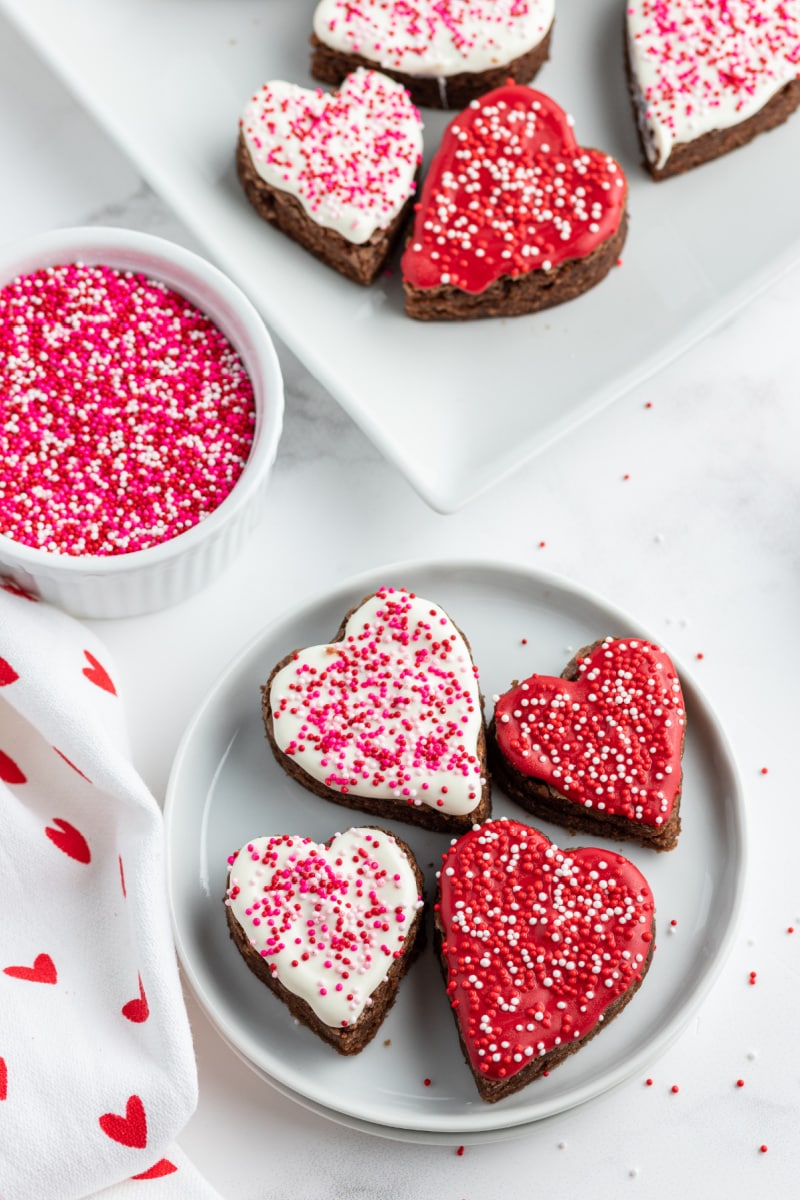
[
  {"x": 699, "y": 65},
  {"x": 306, "y": 908},
  {"x": 406, "y": 725},
  {"x": 434, "y": 37},
  {"x": 349, "y": 157}
]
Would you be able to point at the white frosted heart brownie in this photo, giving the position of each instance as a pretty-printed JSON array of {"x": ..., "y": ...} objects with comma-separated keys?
[
  {"x": 388, "y": 717},
  {"x": 706, "y": 77},
  {"x": 330, "y": 929},
  {"x": 446, "y": 52},
  {"x": 336, "y": 172}
]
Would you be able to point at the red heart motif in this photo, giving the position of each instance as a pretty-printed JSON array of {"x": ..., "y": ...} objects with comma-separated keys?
[
  {"x": 71, "y": 764},
  {"x": 162, "y": 1167},
  {"x": 9, "y": 771},
  {"x": 69, "y": 839},
  {"x": 7, "y": 673},
  {"x": 538, "y": 943},
  {"x": 3, "y": 1079},
  {"x": 98, "y": 675},
  {"x": 610, "y": 740},
  {"x": 130, "y": 1130},
  {"x": 42, "y": 971},
  {"x": 137, "y": 1010},
  {"x": 510, "y": 191}
]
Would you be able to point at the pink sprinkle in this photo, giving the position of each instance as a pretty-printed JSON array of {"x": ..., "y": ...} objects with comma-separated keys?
[{"x": 127, "y": 415}]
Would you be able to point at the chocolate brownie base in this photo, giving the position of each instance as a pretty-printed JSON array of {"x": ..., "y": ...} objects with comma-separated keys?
[
  {"x": 492, "y": 1090},
  {"x": 355, "y": 1037},
  {"x": 684, "y": 156},
  {"x": 514, "y": 296},
  {"x": 412, "y": 814},
  {"x": 548, "y": 804},
  {"x": 361, "y": 263},
  {"x": 432, "y": 91}
]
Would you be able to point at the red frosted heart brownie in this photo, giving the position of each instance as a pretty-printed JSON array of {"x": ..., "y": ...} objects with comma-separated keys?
[
  {"x": 707, "y": 77},
  {"x": 330, "y": 929},
  {"x": 514, "y": 215},
  {"x": 388, "y": 718},
  {"x": 541, "y": 947},
  {"x": 337, "y": 173},
  {"x": 446, "y": 52},
  {"x": 598, "y": 748}
]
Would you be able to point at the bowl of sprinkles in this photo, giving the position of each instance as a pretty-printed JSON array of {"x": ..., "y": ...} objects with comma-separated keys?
[{"x": 141, "y": 405}]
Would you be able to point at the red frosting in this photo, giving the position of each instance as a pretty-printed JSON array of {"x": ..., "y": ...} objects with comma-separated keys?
[
  {"x": 611, "y": 741},
  {"x": 538, "y": 941},
  {"x": 510, "y": 191}
]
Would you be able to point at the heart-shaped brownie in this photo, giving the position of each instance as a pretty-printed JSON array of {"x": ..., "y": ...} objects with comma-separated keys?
[
  {"x": 707, "y": 77},
  {"x": 388, "y": 718},
  {"x": 445, "y": 51},
  {"x": 514, "y": 215},
  {"x": 331, "y": 929},
  {"x": 599, "y": 748},
  {"x": 541, "y": 947},
  {"x": 334, "y": 171}
]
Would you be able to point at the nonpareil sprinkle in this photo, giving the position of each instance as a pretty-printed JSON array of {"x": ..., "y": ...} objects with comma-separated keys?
[{"x": 126, "y": 415}]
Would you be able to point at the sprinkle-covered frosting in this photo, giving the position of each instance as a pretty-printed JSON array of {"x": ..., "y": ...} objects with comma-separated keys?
[
  {"x": 701, "y": 65},
  {"x": 611, "y": 740},
  {"x": 434, "y": 37},
  {"x": 349, "y": 157},
  {"x": 508, "y": 192},
  {"x": 126, "y": 415},
  {"x": 538, "y": 942},
  {"x": 391, "y": 712},
  {"x": 329, "y": 921}
]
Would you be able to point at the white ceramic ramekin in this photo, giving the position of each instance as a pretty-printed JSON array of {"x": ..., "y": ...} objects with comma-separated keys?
[{"x": 145, "y": 580}]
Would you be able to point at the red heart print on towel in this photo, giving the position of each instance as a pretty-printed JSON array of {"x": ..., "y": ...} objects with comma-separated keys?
[
  {"x": 9, "y": 771},
  {"x": 3, "y": 1079},
  {"x": 42, "y": 971},
  {"x": 541, "y": 945},
  {"x": 130, "y": 1130},
  {"x": 7, "y": 673},
  {"x": 69, "y": 839},
  {"x": 71, "y": 764},
  {"x": 137, "y": 1010},
  {"x": 97, "y": 674},
  {"x": 480, "y": 218},
  {"x": 158, "y": 1170}
]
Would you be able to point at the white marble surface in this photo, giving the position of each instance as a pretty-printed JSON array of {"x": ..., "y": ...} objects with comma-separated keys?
[{"x": 680, "y": 504}]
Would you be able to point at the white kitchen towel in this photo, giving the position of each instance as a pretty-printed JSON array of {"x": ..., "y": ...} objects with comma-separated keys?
[{"x": 97, "y": 1070}]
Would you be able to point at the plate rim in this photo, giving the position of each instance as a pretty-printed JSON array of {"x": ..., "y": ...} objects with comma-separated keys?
[{"x": 489, "y": 1122}]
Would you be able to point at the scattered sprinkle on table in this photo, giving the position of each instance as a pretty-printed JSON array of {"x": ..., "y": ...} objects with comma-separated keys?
[{"x": 126, "y": 415}]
